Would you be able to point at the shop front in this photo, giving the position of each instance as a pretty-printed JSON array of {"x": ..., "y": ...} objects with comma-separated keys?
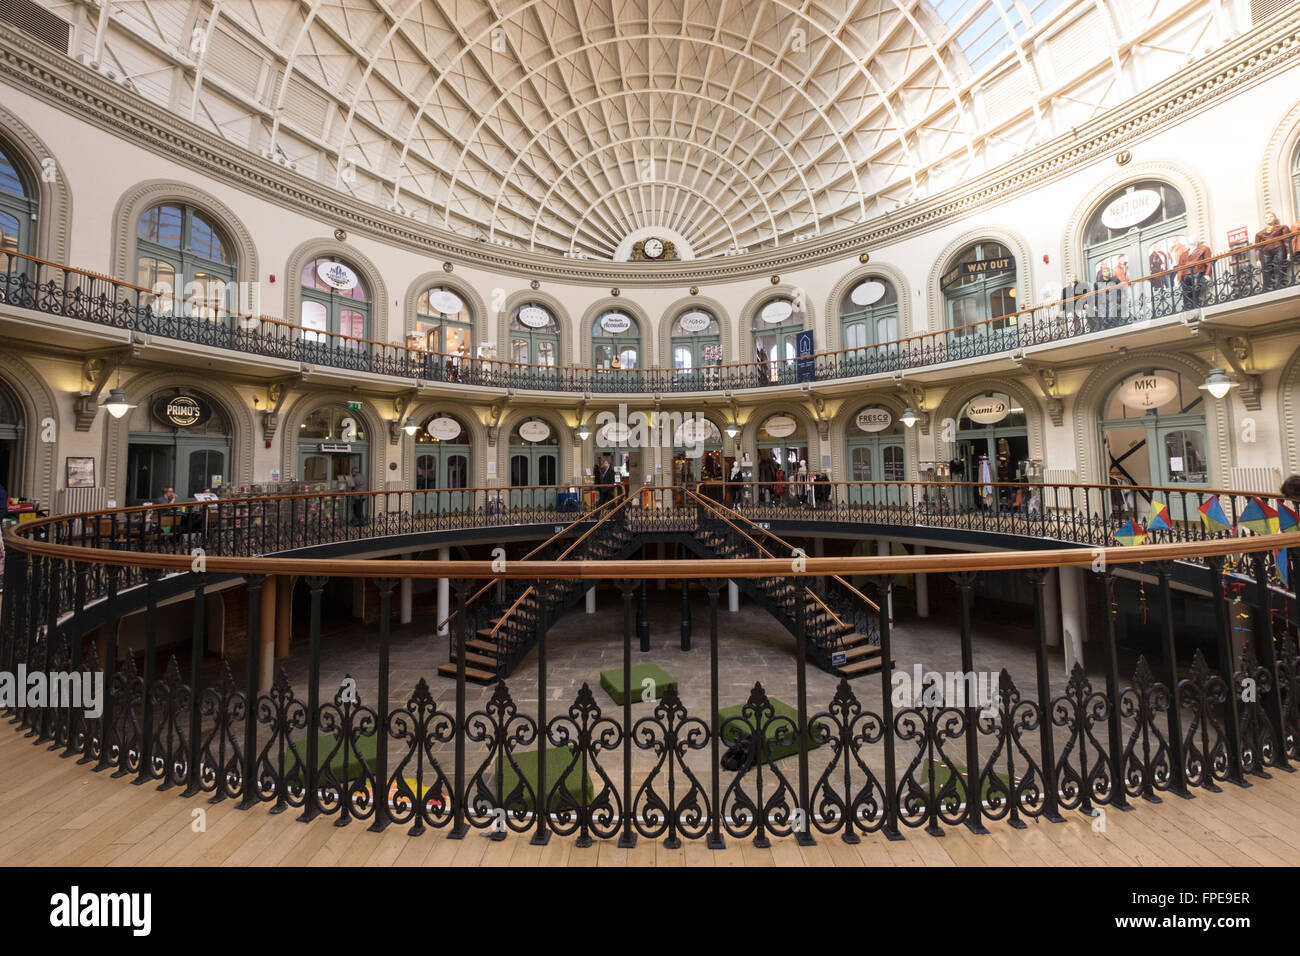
[{"x": 179, "y": 439}]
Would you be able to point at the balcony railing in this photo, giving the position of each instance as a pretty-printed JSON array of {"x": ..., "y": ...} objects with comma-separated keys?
[
  {"x": 679, "y": 767},
  {"x": 47, "y": 287}
]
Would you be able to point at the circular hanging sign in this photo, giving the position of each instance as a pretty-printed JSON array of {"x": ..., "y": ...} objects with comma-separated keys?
[
  {"x": 614, "y": 433},
  {"x": 1149, "y": 390},
  {"x": 445, "y": 302},
  {"x": 867, "y": 293},
  {"x": 988, "y": 411},
  {"x": 181, "y": 411},
  {"x": 874, "y": 419},
  {"x": 779, "y": 426},
  {"x": 696, "y": 321},
  {"x": 445, "y": 429},
  {"x": 777, "y": 311},
  {"x": 534, "y": 316},
  {"x": 697, "y": 431},
  {"x": 1130, "y": 209},
  {"x": 615, "y": 323},
  {"x": 534, "y": 431},
  {"x": 337, "y": 276}
]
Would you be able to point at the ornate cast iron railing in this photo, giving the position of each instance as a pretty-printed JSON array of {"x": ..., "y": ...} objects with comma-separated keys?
[
  {"x": 1099, "y": 739},
  {"x": 54, "y": 289}
]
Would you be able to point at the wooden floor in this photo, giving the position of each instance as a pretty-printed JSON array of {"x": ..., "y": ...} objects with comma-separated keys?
[{"x": 58, "y": 813}]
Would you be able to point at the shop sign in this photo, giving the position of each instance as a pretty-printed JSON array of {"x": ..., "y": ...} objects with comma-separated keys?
[
  {"x": 778, "y": 311},
  {"x": 337, "y": 276},
  {"x": 779, "y": 426},
  {"x": 695, "y": 322},
  {"x": 336, "y": 447},
  {"x": 615, "y": 433},
  {"x": 445, "y": 302},
  {"x": 874, "y": 419},
  {"x": 987, "y": 411},
  {"x": 534, "y": 431},
  {"x": 535, "y": 317},
  {"x": 182, "y": 411},
  {"x": 443, "y": 429},
  {"x": 867, "y": 293},
  {"x": 1239, "y": 235},
  {"x": 1149, "y": 390},
  {"x": 984, "y": 267},
  {"x": 1130, "y": 209},
  {"x": 615, "y": 323}
]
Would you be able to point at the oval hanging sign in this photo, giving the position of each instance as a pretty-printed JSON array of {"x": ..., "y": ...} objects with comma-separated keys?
[
  {"x": 1130, "y": 209},
  {"x": 181, "y": 411},
  {"x": 779, "y": 426},
  {"x": 445, "y": 302},
  {"x": 615, "y": 323},
  {"x": 444, "y": 429},
  {"x": 867, "y": 293},
  {"x": 534, "y": 431},
  {"x": 874, "y": 419},
  {"x": 1150, "y": 390},
  {"x": 337, "y": 276},
  {"x": 615, "y": 433},
  {"x": 697, "y": 431},
  {"x": 696, "y": 321},
  {"x": 534, "y": 316},
  {"x": 777, "y": 311},
  {"x": 988, "y": 411}
]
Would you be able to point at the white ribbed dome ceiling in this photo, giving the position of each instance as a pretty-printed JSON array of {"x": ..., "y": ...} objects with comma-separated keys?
[{"x": 563, "y": 126}]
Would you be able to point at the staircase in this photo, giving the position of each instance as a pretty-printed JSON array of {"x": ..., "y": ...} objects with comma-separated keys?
[
  {"x": 840, "y": 642},
  {"x": 504, "y": 628}
]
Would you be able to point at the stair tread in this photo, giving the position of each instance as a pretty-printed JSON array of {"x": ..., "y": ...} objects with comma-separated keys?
[
  {"x": 473, "y": 673},
  {"x": 472, "y": 658}
]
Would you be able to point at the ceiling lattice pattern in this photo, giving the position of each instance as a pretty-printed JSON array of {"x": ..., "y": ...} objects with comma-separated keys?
[{"x": 562, "y": 126}]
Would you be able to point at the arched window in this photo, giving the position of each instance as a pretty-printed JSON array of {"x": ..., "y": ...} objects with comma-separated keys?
[
  {"x": 980, "y": 285},
  {"x": 17, "y": 205},
  {"x": 443, "y": 323},
  {"x": 782, "y": 446},
  {"x": 696, "y": 340},
  {"x": 180, "y": 438},
  {"x": 868, "y": 315},
  {"x": 992, "y": 445},
  {"x": 534, "y": 461},
  {"x": 1295, "y": 180},
  {"x": 875, "y": 446},
  {"x": 184, "y": 258},
  {"x": 1153, "y": 433},
  {"x": 615, "y": 341},
  {"x": 332, "y": 440},
  {"x": 776, "y": 327},
  {"x": 1139, "y": 230},
  {"x": 534, "y": 336},
  {"x": 12, "y": 429},
  {"x": 442, "y": 462},
  {"x": 334, "y": 300}
]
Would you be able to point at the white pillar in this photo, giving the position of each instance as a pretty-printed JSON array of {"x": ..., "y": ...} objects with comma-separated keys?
[
  {"x": 659, "y": 553},
  {"x": 404, "y": 597},
  {"x": 733, "y": 597},
  {"x": 922, "y": 583},
  {"x": 444, "y": 595},
  {"x": 591, "y": 600},
  {"x": 1073, "y": 621},
  {"x": 883, "y": 550},
  {"x": 1052, "y": 608}
]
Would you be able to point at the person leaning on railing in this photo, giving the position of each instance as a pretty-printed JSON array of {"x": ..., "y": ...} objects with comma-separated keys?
[{"x": 1272, "y": 241}]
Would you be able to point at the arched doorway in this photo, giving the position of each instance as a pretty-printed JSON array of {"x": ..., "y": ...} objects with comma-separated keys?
[
  {"x": 335, "y": 314},
  {"x": 12, "y": 429},
  {"x": 696, "y": 344},
  {"x": 979, "y": 291},
  {"x": 1153, "y": 432},
  {"x": 868, "y": 317},
  {"x": 186, "y": 259},
  {"x": 992, "y": 446},
  {"x": 444, "y": 325},
  {"x": 1137, "y": 231},
  {"x": 443, "y": 457},
  {"x": 534, "y": 462},
  {"x": 776, "y": 328},
  {"x": 180, "y": 438},
  {"x": 534, "y": 345},
  {"x": 782, "y": 444},
  {"x": 875, "y": 451},
  {"x": 331, "y": 442},
  {"x": 18, "y": 204}
]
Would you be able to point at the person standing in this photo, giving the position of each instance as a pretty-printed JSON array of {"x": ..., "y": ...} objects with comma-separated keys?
[
  {"x": 1193, "y": 273},
  {"x": 605, "y": 480},
  {"x": 1272, "y": 244},
  {"x": 760, "y": 356},
  {"x": 359, "y": 484}
]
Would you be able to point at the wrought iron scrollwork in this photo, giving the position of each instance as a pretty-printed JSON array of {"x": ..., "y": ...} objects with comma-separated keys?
[
  {"x": 280, "y": 767},
  {"x": 505, "y": 731},
  {"x": 347, "y": 781},
  {"x": 222, "y": 764},
  {"x": 1011, "y": 782},
  {"x": 1079, "y": 710},
  {"x": 420, "y": 726},
  {"x": 753, "y": 735},
  {"x": 1288, "y": 676},
  {"x": 670, "y": 734},
  {"x": 586, "y": 734},
  {"x": 847, "y": 729},
  {"x": 1251, "y": 682},
  {"x": 931, "y": 726},
  {"x": 170, "y": 754},
  {"x": 127, "y": 739},
  {"x": 1205, "y": 751},
  {"x": 1147, "y": 766}
]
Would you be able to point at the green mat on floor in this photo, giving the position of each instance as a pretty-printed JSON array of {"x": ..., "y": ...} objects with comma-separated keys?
[
  {"x": 557, "y": 759},
  {"x": 295, "y": 769},
  {"x": 612, "y": 681},
  {"x": 775, "y": 751}
]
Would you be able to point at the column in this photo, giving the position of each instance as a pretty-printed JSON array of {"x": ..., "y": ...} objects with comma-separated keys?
[
  {"x": 1052, "y": 608},
  {"x": 733, "y": 597},
  {"x": 1074, "y": 619},
  {"x": 591, "y": 600},
  {"x": 883, "y": 550},
  {"x": 922, "y": 583},
  {"x": 444, "y": 595},
  {"x": 284, "y": 616},
  {"x": 266, "y": 634},
  {"x": 662, "y": 583},
  {"x": 404, "y": 601},
  {"x": 359, "y": 598}
]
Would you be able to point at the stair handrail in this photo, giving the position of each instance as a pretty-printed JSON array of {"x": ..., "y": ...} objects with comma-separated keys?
[
  {"x": 835, "y": 577},
  {"x": 559, "y": 534},
  {"x": 626, "y": 499}
]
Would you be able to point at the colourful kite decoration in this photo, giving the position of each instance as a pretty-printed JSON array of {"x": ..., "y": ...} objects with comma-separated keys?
[
  {"x": 1212, "y": 516},
  {"x": 1130, "y": 533},
  {"x": 1259, "y": 518},
  {"x": 1286, "y": 518},
  {"x": 1283, "y": 571},
  {"x": 1159, "y": 517}
]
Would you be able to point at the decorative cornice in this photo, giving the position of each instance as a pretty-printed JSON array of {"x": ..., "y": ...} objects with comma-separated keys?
[{"x": 82, "y": 92}]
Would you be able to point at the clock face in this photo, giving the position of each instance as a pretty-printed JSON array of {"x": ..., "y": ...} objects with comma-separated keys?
[{"x": 653, "y": 248}]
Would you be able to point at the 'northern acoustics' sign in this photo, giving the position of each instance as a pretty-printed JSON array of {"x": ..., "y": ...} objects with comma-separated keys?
[
  {"x": 982, "y": 267},
  {"x": 181, "y": 411}
]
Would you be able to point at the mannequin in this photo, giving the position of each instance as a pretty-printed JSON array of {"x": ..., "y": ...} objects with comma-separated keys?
[
  {"x": 1193, "y": 273},
  {"x": 802, "y": 485},
  {"x": 1071, "y": 292},
  {"x": 1272, "y": 254},
  {"x": 985, "y": 479},
  {"x": 1109, "y": 297},
  {"x": 1157, "y": 263},
  {"x": 760, "y": 356}
]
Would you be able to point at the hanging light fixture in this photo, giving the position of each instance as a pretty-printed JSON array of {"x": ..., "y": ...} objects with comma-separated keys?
[
  {"x": 410, "y": 427},
  {"x": 117, "y": 404},
  {"x": 1217, "y": 383},
  {"x": 909, "y": 417},
  {"x": 584, "y": 431},
  {"x": 733, "y": 429}
]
